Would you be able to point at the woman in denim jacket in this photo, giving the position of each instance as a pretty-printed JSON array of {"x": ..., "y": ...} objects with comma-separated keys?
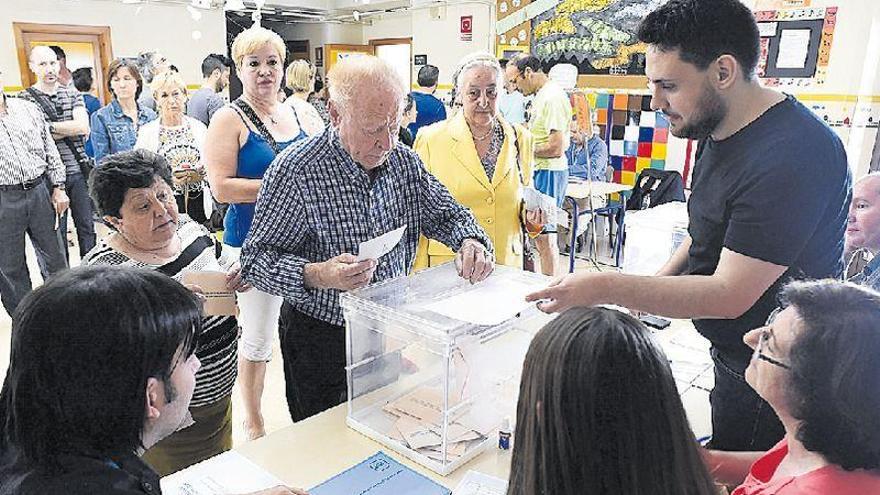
[{"x": 114, "y": 128}]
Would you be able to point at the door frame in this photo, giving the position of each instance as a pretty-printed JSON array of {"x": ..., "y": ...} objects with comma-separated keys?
[{"x": 98, "y": 36}]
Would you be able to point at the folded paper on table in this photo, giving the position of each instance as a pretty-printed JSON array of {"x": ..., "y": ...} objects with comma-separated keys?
[
  {"x": 380, "y": 246},
  {"x": 476, "y": 483},
  {"x": 219, "y": 300},
  {"x": 379, "y": 475},
  {"x": 229, "y": 472}
]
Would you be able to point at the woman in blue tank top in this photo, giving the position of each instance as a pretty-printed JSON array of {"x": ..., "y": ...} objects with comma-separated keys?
[{"x": 243, "y": 139}]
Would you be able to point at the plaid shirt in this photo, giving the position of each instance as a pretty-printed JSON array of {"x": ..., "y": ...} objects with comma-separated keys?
[
  {"x": 65, "y": 99},
  {"x": 27, "y": 150},
  {"x": 316, "y": 202}
]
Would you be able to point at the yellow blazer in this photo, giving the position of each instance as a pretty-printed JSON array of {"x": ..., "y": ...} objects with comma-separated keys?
[{"x": 448, "y": 150}]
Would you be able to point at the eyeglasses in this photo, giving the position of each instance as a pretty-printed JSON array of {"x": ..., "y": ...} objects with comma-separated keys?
[
  {"x": 766, "y": 332},
  {"x": 474, "y": 94}
]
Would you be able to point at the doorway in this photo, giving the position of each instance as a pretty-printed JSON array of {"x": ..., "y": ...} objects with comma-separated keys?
[
  {"x": 398, "y": 53},
  {"x": 84, "y": 46}
]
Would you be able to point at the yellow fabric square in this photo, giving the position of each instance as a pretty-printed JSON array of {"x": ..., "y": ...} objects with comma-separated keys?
[
  {"x": 658, "y": 151},
  {"x": 642, "y": 163},
  {"x": 628, "y": 178}
]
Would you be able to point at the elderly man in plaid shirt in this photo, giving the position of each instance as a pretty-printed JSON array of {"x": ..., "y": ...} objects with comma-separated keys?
[{"x": 323, "y": 197}]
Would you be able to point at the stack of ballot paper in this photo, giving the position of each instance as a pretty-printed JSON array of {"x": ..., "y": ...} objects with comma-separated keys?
[{"x": 418, "y": 423}]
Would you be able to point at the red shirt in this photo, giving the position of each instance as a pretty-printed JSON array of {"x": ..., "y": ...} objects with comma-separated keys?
[{"x": 828, "y": 480}]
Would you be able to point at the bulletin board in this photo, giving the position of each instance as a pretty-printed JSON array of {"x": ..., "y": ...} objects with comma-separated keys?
[
  {"x": 795, "y": 45},
  {"x": 597, "y": 36}
]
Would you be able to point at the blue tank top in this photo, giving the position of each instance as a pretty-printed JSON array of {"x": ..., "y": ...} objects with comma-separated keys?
[{"x": 254, "y": 159}]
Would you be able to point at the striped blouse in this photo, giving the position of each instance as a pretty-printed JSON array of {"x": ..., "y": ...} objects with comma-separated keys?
[{"x": 217, "y": 347}]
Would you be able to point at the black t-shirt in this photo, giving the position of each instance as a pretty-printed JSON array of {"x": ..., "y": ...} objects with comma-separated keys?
[{"x": 778, "y": 190}]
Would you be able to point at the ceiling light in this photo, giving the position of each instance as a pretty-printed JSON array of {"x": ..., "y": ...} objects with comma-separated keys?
[{"x": 234, "y": 5}]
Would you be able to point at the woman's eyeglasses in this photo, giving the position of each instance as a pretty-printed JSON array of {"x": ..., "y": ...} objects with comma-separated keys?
[{"x": 764, "y": 337}]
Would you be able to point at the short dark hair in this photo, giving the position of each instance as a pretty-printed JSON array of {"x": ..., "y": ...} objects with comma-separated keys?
[
  {"x": 835, "y": 371},
  {"x": 428, "y": 76},
  {"x": 528, "y": 61},
  {"x": 83, "y": 347},
  {"x": 82, "y": 79},
  {"x": 503, "y": 62},
  {"x": 599, "y": 413},
  {"x": 133, "y": 69},
  {"x": 59, "y": 52},
  {"x": 215, "y": 61},
  {"x": 119, "y": 172},
  {"x": 703, "y": 30}
]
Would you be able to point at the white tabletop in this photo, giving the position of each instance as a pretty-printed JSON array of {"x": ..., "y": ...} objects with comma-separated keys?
[{"x": 581, "y": 190}]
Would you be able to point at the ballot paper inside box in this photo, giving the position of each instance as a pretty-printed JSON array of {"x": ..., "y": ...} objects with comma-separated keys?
[{"x": 433, "y": 382}]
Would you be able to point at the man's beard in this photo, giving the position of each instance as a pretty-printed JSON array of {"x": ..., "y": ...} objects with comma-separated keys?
[{"x": 712, "y": 110}]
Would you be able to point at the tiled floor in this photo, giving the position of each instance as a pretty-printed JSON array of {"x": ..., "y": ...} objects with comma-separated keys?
[{"x": 687, "y": 351}]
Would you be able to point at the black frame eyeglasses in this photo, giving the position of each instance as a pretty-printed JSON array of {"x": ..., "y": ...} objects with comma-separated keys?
[{"x": 764, "y": 338}]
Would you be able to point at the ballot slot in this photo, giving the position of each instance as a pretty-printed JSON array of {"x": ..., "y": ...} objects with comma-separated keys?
[{"x": 426, "y": 385}]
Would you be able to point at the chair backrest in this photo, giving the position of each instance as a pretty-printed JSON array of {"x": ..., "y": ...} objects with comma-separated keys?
[{"x": 655, "y": 187}]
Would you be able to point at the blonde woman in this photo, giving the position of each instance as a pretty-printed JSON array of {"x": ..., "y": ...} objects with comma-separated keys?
[
  {"x": 301, "y": 80},
  {"x": 179, "y": 139},
  {"x": 243, "y": 139},
  {"x": 483, "y": 160}
]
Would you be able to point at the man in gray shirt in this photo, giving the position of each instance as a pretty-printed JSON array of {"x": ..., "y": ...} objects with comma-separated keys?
[{"x": 207, "y": 100}]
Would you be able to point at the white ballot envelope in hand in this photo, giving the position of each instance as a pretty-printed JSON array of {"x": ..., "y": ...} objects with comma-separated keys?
[
  {"x": 380, "y": 246},
  {"x": 219, "y": 301},
  {"x": 536, "y": 200}
]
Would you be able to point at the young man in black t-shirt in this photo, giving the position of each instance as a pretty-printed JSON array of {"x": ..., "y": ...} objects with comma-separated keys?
[{"x": 770, "y": 193}]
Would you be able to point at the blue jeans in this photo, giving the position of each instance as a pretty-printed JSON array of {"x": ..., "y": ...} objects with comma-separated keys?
[{"x": 741, "y": 419}]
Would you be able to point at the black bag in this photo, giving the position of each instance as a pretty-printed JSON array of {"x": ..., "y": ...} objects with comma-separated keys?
[
  {"x": 86, "y": 163},
  {"x": 655, "y": 187}
]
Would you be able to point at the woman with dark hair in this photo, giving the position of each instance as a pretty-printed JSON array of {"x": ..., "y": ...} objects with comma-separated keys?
[
  {"x": 114, "y": 127},
  {"x": 816, "y": 363},
  {"x": 599, "y": 413},
  {"x": 134, "y": 195}
]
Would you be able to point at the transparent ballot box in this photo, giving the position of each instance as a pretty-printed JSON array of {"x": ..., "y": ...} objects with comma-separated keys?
[{"x": 434, "y": 363}]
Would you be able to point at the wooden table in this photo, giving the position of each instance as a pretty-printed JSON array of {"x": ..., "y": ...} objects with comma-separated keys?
[{"x": 317, "y": 448}]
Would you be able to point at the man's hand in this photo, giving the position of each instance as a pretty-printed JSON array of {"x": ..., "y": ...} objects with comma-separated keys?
[
  {"x": 234, "y": 281},
  {"x": 473, "y": 261},
  {"x": 60, "y": 201},
  {"x": 574, "y": 289},
  {"x": 280, "y": 490},
  {"x": 343, "y": 272}
]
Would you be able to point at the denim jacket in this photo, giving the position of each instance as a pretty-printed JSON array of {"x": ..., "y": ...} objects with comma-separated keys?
[{"x": 112, "y": 131}]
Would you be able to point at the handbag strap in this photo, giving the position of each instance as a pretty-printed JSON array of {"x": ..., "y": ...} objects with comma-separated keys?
[
  {"x": 187, "y": 256},
  {"x": 251, "y": 114}
]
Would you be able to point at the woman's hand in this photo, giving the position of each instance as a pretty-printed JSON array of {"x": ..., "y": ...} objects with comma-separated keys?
[
  {"x": 234, "y": 280},
  {"x": 535, "y": 221}
]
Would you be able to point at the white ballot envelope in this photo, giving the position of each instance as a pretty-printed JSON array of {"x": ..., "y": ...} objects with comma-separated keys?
[
  {"x": 380, "y": 246},
  {"x": 219, "y": 301},
  {"x": 536, "y": 200}
]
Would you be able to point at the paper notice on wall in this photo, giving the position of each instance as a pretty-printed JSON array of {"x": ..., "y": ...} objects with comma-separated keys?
[
  {"x": 794, "y": 46},
  {"x": 767, "y": 29}
]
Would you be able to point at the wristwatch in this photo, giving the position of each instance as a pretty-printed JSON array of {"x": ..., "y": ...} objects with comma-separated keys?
[
  {"x": 51, "y": 128},
  {"x": 59, "y": 186}
]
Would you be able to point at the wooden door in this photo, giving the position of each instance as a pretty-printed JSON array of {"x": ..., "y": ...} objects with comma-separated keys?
[{"x": 92, "y": 42}]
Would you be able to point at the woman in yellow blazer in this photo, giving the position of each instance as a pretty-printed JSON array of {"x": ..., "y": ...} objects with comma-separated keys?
[{"x": 483, "y": 160}]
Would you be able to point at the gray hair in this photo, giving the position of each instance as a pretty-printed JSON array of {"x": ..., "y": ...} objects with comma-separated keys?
[
  {"x": 359, "y": 73},
  {"x": 474, "y": 60},
  {"x": 145, "y": 63}
]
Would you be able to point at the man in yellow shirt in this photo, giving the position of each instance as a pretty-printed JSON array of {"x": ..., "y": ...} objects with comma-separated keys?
[{"x": 549, "y": 123}]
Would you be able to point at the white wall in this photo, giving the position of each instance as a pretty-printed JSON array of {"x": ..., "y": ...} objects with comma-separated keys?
[
  {"x": 167, "y": 28},
  {"x": 320, "y": 34}
]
